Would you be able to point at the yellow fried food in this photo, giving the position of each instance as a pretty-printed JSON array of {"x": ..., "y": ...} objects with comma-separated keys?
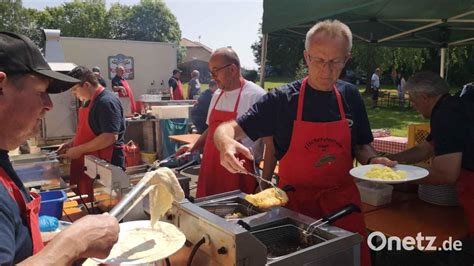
[
  {"x": 268, "y": 198},
  {"x": 385, "y": 173}
]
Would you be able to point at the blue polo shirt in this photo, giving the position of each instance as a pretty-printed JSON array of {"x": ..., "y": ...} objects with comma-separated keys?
[
  {"x": 15, "y": 238},
  {"x": 106, "y": 116},
  {"x": 275, "y": 113}
]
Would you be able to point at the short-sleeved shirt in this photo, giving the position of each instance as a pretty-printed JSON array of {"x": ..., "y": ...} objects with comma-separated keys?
[
  {"x": 199, "y": 111},
  {"x": 117, "y": 81},
  {"x": 102, "y": 82},
  {"x": 375, "y": 81},
  {"x": 173, "y": 82},
  {"x": 15, "y": 239},
  {"x": 452, "y": 130},
  {"x": 194, "y": 88},
  {"x": 275, "y": 113},
  {"x": 106, "y": 116},
  {"x": 251, "y": 93}
]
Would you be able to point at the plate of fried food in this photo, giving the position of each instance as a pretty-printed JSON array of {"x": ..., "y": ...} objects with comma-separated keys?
[{"x": 379, "y": 173}]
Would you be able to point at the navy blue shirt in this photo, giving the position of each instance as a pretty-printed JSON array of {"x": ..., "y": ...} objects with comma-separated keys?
[
  {"x": 106, "y": 116},
  {"x": 274, "y": 114},
  {"x": 199, "y": 111},
  {"x": 15, "y": 239},
  {"x": 452, "y": 128}
]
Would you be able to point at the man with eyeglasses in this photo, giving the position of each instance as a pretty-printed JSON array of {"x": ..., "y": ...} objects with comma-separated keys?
[
  {"x": 26, "y": 81},
  {"x": 233, "y": 98},
  {"x": 319, "y": 124}
]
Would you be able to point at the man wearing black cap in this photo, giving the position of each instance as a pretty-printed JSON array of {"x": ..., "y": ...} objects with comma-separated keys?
[
  {"x": 100, "y": 129},
  {"x": 25, "y": 82},
  {"x": 176, "y": 88}
]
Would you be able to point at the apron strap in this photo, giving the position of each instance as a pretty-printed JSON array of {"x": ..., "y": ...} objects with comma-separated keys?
[
  {"x": 242, "y": 83},
  {"x": 299, "y": 114}
]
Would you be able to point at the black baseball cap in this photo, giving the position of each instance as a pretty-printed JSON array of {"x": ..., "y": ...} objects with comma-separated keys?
[
  {"x": 177, "y": 71},
  {"x": 18, "y": 54}
]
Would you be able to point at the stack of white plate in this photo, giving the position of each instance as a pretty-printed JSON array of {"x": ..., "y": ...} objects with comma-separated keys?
[{"x": 444, "y": 195}]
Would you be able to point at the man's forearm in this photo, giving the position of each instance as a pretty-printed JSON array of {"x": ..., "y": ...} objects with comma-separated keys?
[
  {"x": 415, "y": 154},
  {"x": 60, "y": 251},
  {"x": 227, "y": 131},
  {"x": 102, "y": 141}
]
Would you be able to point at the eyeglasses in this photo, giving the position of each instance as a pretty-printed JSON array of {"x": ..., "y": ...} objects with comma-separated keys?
[
  {"x": 214, "y": 72},
  {"x": 333, "y": 63}
]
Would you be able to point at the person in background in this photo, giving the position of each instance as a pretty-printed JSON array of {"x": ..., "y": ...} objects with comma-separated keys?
[
  {"x": 175, "y": 86},
  {"x": 233, "y": 98},
  {"x": 318, "y": 124},
  {"x": 101, "y": 80},
  {"x": 450, "y": 142},
  {"x": 400, "y": 82},
  {"x": 375, "y": 85},
  {"x": 201, "y": 108},
  {"x": 125, "y": 92},
  {"x": 100, "y": 130},
  {"x": 194, "y": 87},
  {"x": 26, "y": 80}
]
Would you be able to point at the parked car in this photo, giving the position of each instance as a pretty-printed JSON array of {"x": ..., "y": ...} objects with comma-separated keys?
[{"x": 355, "y": 77}]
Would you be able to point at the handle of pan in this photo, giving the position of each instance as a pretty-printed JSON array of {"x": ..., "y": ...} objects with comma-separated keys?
[{"x": 348, "y": 209}]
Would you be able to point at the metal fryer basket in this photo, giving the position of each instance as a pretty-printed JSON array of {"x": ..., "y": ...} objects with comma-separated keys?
[
  {"x": 225, "y": 209},
  {"x": 285, "y": 239}
]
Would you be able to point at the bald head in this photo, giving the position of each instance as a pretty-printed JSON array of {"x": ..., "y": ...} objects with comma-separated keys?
[{"x": 227, "y": 55}]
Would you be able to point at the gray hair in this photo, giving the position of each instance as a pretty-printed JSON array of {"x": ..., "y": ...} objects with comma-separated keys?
[
  {"x": 195, "y": 74},
  {"x": 229, "y": 55},
  {"x": 427, "y": 82},
  {"x": 333, "y": 28}
]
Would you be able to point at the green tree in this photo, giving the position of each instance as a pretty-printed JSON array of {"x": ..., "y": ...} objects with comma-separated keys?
[
  {"x": 77, "y": 19},
  {"x": 283, "y": 54},
  {"x": 15, "y": 18},
  {"x": 152, "y": 20}
]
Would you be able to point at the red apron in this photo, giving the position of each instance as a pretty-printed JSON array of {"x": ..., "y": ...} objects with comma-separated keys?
[
  {"x": 28, "y": 210},
  {"x": 85, "y": 134},
  {"x": 133, "y": 105},
  {"x": 213, "y": 177},
  {"x": 178, "y": 92},
  {"x": 317, "y": 165},
  {"x": 465, "y": 188}
]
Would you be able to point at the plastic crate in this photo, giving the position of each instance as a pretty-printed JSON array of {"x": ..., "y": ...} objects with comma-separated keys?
[
  {"x": 375, "y": 194},
  {"x": 52, "y": 203}
]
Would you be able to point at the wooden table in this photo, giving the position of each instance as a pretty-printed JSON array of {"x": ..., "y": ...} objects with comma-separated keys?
[
  {"x": 412, "y": 216},
  {"x": 185, "y": 139}
]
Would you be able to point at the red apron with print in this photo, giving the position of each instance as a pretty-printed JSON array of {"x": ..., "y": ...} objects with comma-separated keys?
[
  {"x": 85, "y": 134},
  {"x": 133, "y": 105},
  {"x": 465, "y": 188},
  {"x": 317, "y": 165},
  {"x": 178, "y": 92},
  {"x": 28, "y": 210},
  {"x": 213, "y": 177}
]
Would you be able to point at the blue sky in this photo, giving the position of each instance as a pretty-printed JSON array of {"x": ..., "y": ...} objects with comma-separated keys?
[{"x": 219, "y": 22}]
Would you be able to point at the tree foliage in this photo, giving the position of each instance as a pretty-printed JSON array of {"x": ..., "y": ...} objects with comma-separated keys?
[{"x": 150, "y": 20}]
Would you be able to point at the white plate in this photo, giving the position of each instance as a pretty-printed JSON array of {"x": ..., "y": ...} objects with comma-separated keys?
[
  {"x": 413, "y": 173},
  {"x": 175, "y": 242}
]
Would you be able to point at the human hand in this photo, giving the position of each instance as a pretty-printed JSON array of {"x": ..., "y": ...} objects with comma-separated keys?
[
  {"x": 64, "y": 147},
  {"x": 72, "y": 153},
  {"x": 183, "y": 149},
  {"x": 94, "y": 235},
  {"x": 229, "y": 159},
  {"x": 383, "y": 160},
  {"x": 124, "y": 91}
]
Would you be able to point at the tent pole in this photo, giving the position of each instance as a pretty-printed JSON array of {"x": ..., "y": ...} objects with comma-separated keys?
[
  {"x": 263, "y": 59},
  {"x": 442, "y": 63}
]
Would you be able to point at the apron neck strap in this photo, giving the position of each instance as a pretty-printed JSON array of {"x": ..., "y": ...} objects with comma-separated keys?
[
  {"x": 242, "y": 83},
  {"x": 299, "y": 114}
]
